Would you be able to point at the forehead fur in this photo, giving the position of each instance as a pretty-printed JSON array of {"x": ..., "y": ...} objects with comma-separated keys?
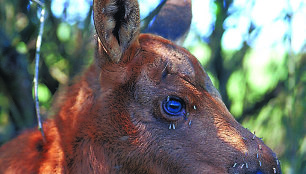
[{"x": 177, "y": 60}]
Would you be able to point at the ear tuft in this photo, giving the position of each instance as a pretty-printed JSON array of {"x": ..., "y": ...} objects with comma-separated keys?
[{"x": 117, "y": 26}]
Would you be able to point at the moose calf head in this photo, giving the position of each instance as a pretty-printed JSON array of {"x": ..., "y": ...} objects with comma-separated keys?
[
  {"x": 147, "y": 106},
  {"x": 166, "y": 114}
]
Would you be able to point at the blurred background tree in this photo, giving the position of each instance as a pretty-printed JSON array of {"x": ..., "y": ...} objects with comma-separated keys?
[{"x": 254, "y": 51}]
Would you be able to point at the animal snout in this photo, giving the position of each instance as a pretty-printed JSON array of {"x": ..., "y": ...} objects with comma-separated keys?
[{"x": 257, "y": 159}]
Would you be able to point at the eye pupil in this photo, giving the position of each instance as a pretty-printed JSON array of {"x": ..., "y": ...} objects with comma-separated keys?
[{"x": 173, "y": 106}]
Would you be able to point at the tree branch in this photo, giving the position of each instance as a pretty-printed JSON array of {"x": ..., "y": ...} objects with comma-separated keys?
[
  {"x": 17, "y": 83},
  {"x": 248, "y": 112}
]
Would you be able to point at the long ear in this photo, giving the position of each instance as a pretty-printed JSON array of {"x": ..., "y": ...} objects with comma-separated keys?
[
  {"x": 117, "y": 26},
  {"x": 172, "y": 21}
]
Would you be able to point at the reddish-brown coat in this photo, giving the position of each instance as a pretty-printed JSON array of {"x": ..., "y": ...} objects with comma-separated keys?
[{"x": 112, "y": 120}]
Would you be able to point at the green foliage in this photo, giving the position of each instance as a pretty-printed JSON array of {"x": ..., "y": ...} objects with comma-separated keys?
[
  {"x": 21, "y": 47},
  {"x": 201, "y": 51},
  {"x": 236, "y": 87},
  {"x": 63, "y": 32},
  {"x": 44, "y": 95}
]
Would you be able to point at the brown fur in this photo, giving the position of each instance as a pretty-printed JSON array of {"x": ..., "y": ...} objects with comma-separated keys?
[{"x": 112, "y": 120}]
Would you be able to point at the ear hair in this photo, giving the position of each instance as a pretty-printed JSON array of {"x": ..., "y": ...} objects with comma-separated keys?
[{"x": 117, "y": 26}]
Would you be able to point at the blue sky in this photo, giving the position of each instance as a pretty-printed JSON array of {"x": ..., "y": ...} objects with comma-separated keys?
[{"x": 266, "y": 14}]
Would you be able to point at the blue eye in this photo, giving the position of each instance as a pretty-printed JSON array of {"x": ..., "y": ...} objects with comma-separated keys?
[{"x": 173, "y": 106}]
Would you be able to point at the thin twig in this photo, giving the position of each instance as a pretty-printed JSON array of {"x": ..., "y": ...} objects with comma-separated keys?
[{"x": 37, "y": 57}]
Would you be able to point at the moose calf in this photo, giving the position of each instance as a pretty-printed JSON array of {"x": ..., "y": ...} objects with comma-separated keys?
[{"x": 145, "y": 106}]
